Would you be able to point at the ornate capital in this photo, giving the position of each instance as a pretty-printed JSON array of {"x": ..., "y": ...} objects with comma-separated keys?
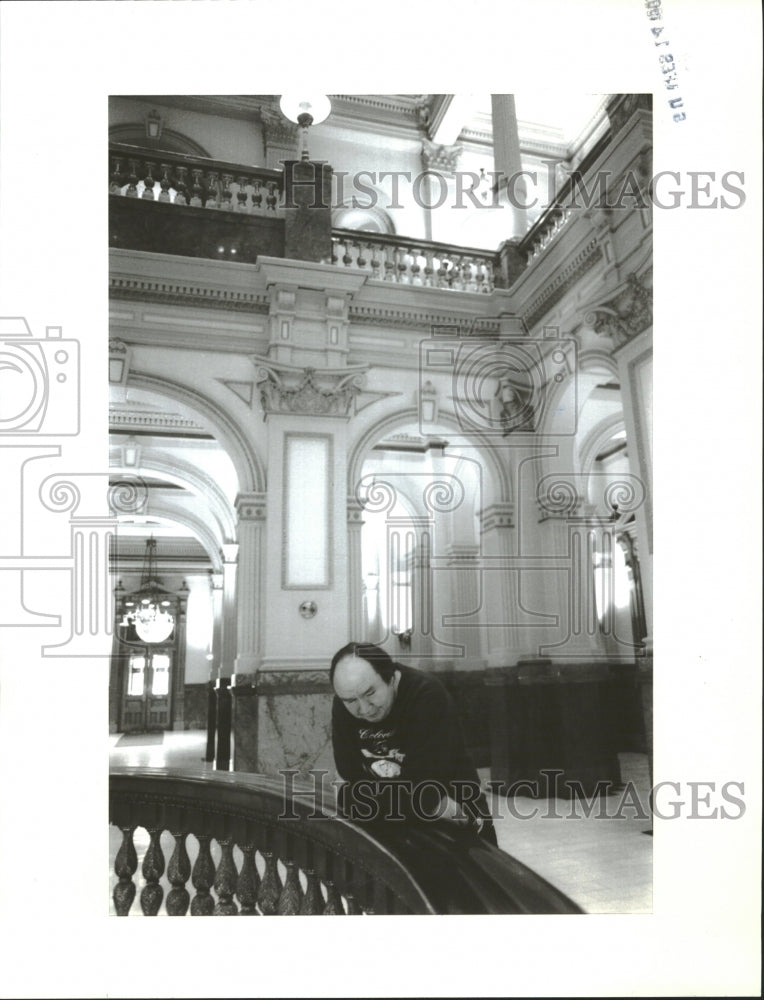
[
  {"x": 251, "y": 506},
  {"x": 442, "y": 158},
  {"x": 498, "y": 515},
  {"x": 625, "y": 314},
  {"x": 355, "y": 512},
  {"x": 327, "y": 392},
  {"x": 278, "y": 131}
]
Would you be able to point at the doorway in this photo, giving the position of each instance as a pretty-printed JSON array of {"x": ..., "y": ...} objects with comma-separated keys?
[{"x": 147, "y": 690}]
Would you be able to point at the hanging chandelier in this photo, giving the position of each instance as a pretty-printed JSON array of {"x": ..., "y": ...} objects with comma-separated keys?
[{"x": 148, "y": 611}]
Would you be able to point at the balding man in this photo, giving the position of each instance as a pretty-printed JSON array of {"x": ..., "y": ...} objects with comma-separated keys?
[{"x": 398, "y": 744}]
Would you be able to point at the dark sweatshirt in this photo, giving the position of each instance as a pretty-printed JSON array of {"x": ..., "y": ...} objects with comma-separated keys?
[{"x": 418, "y": 747}]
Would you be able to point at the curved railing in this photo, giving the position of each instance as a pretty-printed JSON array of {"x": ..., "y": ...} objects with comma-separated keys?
[{"x": 263, "y": 851}]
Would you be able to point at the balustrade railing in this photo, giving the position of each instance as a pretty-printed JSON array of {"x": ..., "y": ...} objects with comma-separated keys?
[
  {"x": 249, "y": 847},
  {"x": 177, "y": 179},
  {"x": 414, "y": 262}
]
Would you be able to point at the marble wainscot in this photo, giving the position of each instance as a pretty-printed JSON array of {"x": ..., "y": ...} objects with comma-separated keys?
[{"x": 282, "y": 719}]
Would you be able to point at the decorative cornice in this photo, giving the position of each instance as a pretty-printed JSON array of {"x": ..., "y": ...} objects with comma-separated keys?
[
  {"x": 154, "y": 420},
  {"x": 625, "y": 314},
  {"x": 327, "y": 392},
  {"x": 377, "y": 315},
  {"x": 555, "y": 289},
  {"x": 173, "y": 293}
]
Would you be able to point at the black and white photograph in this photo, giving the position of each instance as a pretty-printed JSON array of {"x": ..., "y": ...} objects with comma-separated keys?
[{"x": 359, "y": 561}]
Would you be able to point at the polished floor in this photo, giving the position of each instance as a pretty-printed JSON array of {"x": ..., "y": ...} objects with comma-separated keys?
[{"x": 603, "y": 860}]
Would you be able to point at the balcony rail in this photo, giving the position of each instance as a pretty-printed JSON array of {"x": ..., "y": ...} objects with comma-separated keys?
[
  {"x": 264, "y": 851},
  {"x": 414, "y": 262},
  {"x": 178, "y": 179}
]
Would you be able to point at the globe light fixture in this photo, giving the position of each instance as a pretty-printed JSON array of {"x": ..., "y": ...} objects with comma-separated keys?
[
  {"x": 149, "y": 612},
  {"x": 305, "y": 110}
]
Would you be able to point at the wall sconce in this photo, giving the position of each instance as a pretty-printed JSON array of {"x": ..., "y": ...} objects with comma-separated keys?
[
  {"x": 153, "y": 122},
  {"x": 119, "y": 362},
  {"x": 305, "y": 111},
  {"x": 131, "y": 453},
  {"x": 428, "y": 403}
]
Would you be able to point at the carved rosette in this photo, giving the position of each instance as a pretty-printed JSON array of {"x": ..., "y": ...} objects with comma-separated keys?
[
  {"x": 625, "y": 314},
  {"x": 324, "y": 392}
]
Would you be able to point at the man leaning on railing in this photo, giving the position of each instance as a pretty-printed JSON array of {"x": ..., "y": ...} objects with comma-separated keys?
[{"x": 398, "y": 745}]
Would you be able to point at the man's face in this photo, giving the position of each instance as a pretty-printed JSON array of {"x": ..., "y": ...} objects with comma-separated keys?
[{"x": 362, "y": 691}]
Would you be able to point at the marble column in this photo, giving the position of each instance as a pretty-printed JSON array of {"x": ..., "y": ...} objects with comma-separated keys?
[
  {"x": 500, "y": 611},
  {"x": 507, "y": 160},
  {"x": 179, "y": 669},
  {"x": 228, "y": 655},
  {"x": 463, "y": 624}
]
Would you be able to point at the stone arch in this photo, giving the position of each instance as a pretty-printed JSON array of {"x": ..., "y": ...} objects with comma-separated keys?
[
  {"x": 358, "y": 453},
  {"x": 134, "y": 134},
  {"x": 186, "y": 474},
  {"x": 249, "y": 468}
]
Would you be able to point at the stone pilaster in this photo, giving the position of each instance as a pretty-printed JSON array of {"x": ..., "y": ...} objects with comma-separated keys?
[
  {"x": 499, "y": 583},
  {"x": 355, "y": 570},
  {"x": 507, "y": 159},
  {"x": 251, "y": 510}
]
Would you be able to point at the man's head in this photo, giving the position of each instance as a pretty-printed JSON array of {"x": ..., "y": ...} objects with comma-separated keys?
[{"x": 365, "y": 679}]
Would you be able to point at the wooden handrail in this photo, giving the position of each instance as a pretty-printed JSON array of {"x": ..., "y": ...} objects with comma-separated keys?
[{"x": 297, "y": 855}]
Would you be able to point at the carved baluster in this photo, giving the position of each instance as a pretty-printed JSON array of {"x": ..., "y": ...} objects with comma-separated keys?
[
  {"x": 197, "y": 190},
  {"x": 468, "y": 284},
  {"x": 291, "y": 895},
  {"x": 488, "y": 286},
  {"x": 181, "y": 186},
  {"x": 226, "y": 201},
  {"x": 334, "y": 907},
  {"x": 389, "y": 263},
  {"x": 178, "y": 872},
  {"x": 248, "y": 882},
  {"x": 416, "y": 275},
  {"x": 164, "y": 182},
  {"x": 124, "y": 866},
  {"x": 257, "y": 195},
  {"x": 132, "y": 179},
  {"x": 429, "y": 269},
  {"x": 202, "y": 877},
  {"x": 312, "y": 902},
  {"x": 213, "y": 190},
  {"x": 375, "y": 263},
  {"x": 401, "y": 263},
  {"x": 347, "y": 257},
  {"x": 353, "y": 909},
  {"x": 153, "y": 869},
  {"x": 270, "y": 887},
  {"x": 272, "y": 198},
  {"x": 115, "y": 181},
  {"x": 148, "y": 182},
  {"x": 225, "y": 881},
  {"x": 241, "y": 194},
  {"x": 443, "y": 273},
  {"x": 361, "y": 261},
  {"x": 335, "y": 244}
]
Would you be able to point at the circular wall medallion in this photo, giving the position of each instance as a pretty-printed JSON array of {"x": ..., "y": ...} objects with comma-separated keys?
[{"x": 308, "y": 609}]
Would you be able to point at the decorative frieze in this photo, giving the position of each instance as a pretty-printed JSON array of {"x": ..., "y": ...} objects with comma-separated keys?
[{"x": 327, "y": 392}]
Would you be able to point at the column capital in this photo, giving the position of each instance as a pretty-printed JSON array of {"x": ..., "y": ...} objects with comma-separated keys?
[
  {"x": 444, "y": 159},
  {"x": 325, "y": 392},
  {"x": 251, "y": 506},
  {"x": 497, "y": 515}
]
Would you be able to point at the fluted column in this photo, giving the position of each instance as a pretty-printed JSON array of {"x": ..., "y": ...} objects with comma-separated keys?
[
  {"x": 355, "y": 570},
  {"x": 251, "y": 509}
]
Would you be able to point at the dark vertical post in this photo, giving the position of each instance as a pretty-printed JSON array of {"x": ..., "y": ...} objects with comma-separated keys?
[
  {"x": 212, "y": 718},
  {"x": 223, "y": 755}
]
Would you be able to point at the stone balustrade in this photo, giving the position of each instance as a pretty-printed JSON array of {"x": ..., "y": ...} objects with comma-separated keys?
[
  {"x": 414, "y": 262},
  {"x": 177, "y": 179}
]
